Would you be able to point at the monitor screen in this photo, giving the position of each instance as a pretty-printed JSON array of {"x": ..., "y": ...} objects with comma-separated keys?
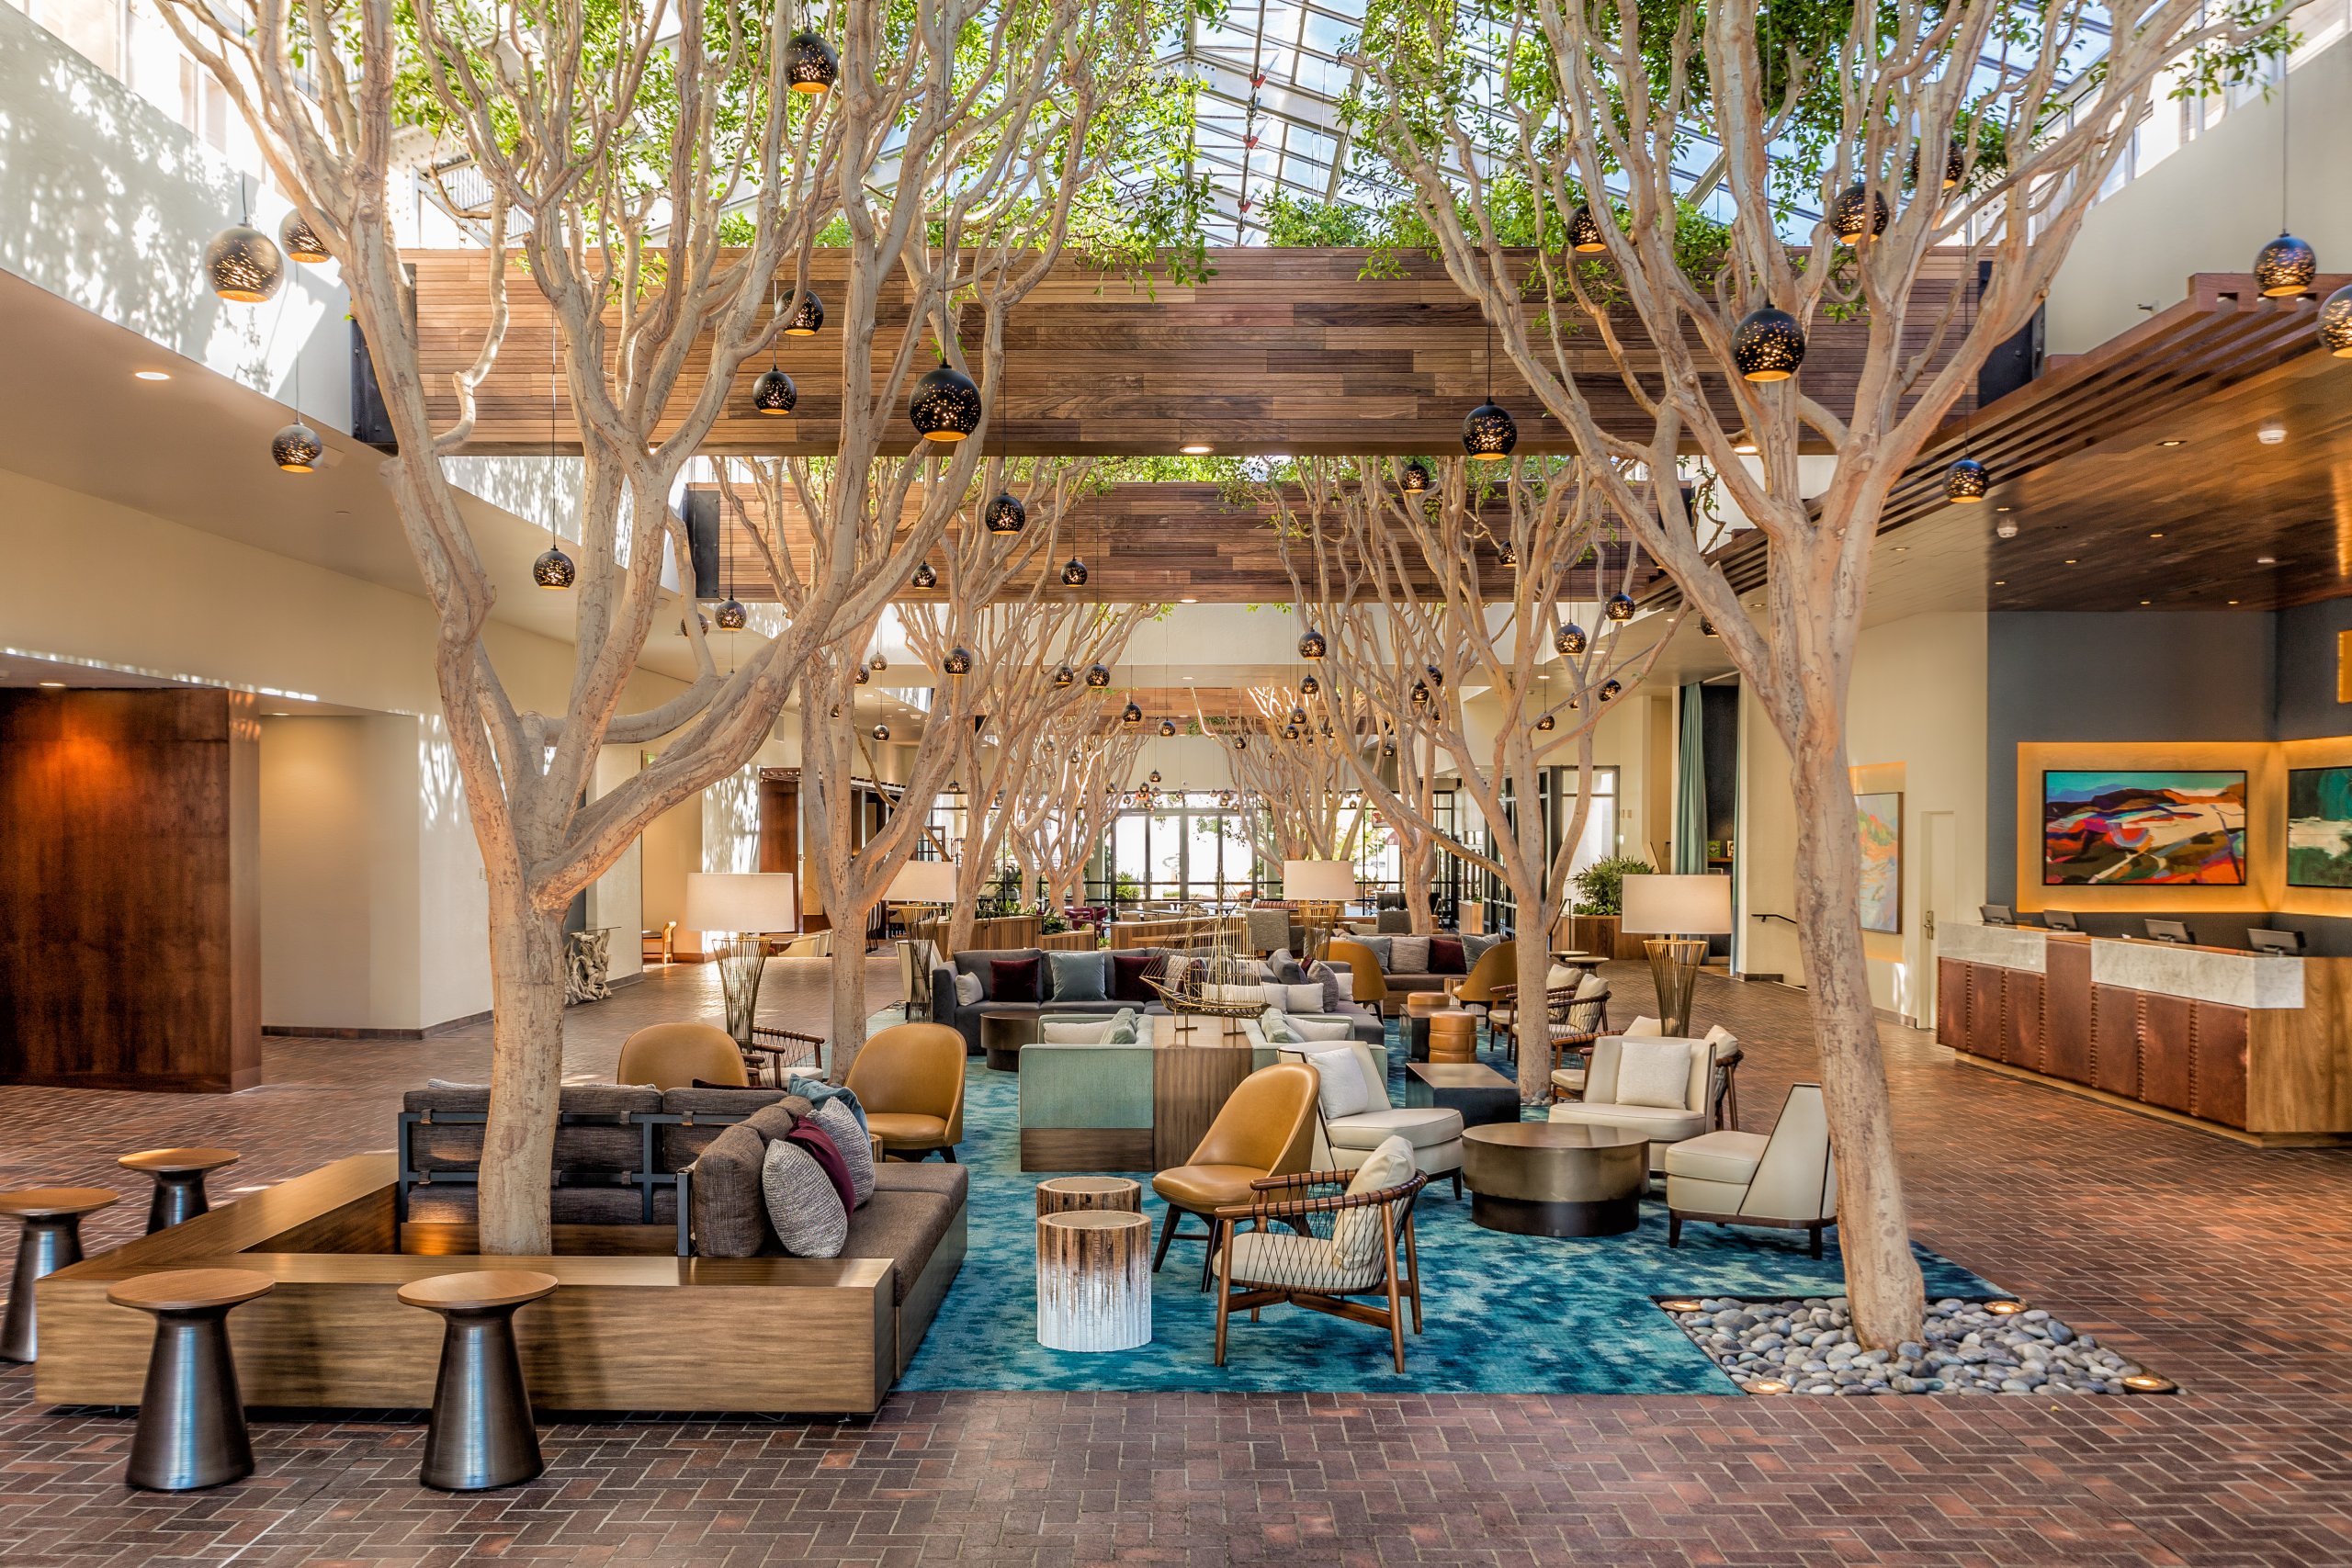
[
  {"x": 2274, "y": 942},
  {"x": 2060, "y": 921},
  {"x": 2167, "y": 931},
  {"x": 1995, "y": 915}
]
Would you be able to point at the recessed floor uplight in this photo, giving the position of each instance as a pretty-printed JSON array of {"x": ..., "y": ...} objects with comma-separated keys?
[
  {"x": 2004, "y": 1309},
  {"x": 153, "y": 375},
  {"x": 2149, "y": 1382},
  {"x": 1765, "y": 1385},
  {"x": 1679, "y": 1304}
]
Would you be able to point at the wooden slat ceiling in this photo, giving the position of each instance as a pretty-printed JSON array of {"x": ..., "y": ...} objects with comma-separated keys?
[
  {"x": 1142, "y": 543},
  {"x": 1282, "y": 351},
  {"x": 2111, "y": 516}
]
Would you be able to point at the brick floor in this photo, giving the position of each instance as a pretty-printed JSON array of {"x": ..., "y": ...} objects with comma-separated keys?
[{"x": 2224, "y": 1267}]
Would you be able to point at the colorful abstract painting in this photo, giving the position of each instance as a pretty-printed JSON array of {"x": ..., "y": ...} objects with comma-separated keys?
[
  {"x": 1879, "y": 819},
  {"x": 2318, "y": 827},
  {"x": 2166, "y": 826}
]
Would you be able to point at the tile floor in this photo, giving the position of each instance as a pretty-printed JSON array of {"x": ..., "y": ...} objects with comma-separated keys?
[{"x": 2229, "y": 1267}]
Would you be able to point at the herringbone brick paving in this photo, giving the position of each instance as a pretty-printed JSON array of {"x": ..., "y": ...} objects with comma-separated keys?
[{"x": 2224, "y": 1267}]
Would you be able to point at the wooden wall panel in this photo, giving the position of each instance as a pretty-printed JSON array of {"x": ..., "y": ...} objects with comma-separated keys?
[
  {"x": 2221, "y": 1064},
  {"x": 1951, "y": 1002},
  {"x": 129, "y": 912},
  {"x": 2115, "y": 1040},
  {"x": 2168, "y": 1052},
  {"x": 1984, "y": 1010},
  {"x": 2021, "y": 992},
  {"x": 2066, "y": 1010}
]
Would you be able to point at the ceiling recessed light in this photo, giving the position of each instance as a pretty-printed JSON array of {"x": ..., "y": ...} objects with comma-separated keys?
[
  {"x": 2156, "y": 536},
  {"x": 52, "y": 685},
  {"x": 2233, "y": 601},
  {"x": 281, "y": 713},
  {"x": 2005, "y": 509},
  {"x": 2000, "y": 582},
  {"x": 2265, "y": 560},
  {"x": 2147, "y": 601},
  {"x": 1188, "y": 601},
  {"x": 1196, "y": 449},
  {"x": 153, "y": 375},
  {"x": 2271, "y": 435}
]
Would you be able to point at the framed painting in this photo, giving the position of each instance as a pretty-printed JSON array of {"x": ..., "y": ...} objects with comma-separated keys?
[
  {"x": 2318, "y": 827},
  {"x": 1878, "y": 818},
  {"x": 2124, "y": 828}
]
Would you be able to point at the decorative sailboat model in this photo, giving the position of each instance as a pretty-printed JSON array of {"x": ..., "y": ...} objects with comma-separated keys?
[{"x": 1218, "y": 983}]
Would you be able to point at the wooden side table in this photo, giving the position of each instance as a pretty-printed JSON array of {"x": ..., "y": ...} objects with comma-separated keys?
[
  {"x": 52, "y": 1240},
  {"x": 1418, "y": 1006},
  {"x": 1555, "y": 1178},
  {"x": 1454, "y": 1036},
  {"x": 191, "y": 1429},
  {"x": 179, "y": 1181},
  {"x": 1094, "y": 1280},
  {"x": 480, "y": 1434},
  {"x": 1002, "y": 1033},
  {"x": 1067, "y": 1194}
]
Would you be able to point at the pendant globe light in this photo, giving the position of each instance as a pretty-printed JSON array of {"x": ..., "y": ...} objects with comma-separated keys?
[
  {"x": 296, "y": 448},
  {"x": 1618, "y": 608},
  {"x": 730, "y": 617},
  {"x": 2335, "y": 324},
  {"x": 945, "y": 406},
  {"x": 553, "y": 571},
  {"x": 1768, "y": 344},
  {"x": 1006, "y": 515},
  {"x": 1309, "y": 686},
  {"x": 808, "y": 318},
  {"x": 773, "y": 393},
  {"x": 1388, "y": 746},
  {"x": 811, "y": 63},
  {"x": 1064, "y": 678},
  {"x": 1584, "y": 232},
  {"x": 881, "y": 732},
  {"x": 1966, "y": 481},
  {"x": 1298, "y": 716},
  {"x": 1420, "y": 694},
  {"x": 2287, "y": 267},
  {"x": 301, "y": 241},
  {"x": 1324, "y": 729},
  {"x": 1289, "y": 732},
  {"x": 1241, "y": 743},
  {"x": 1859, "y": 213},
  {"x": 1097, "y": 678},
  {"x": 1415, "y": 479},
  {"x": 957, "y": 662},
  {"x": 877, "y": 663},
  {"x": 1436, "y": 675},
  {"x": 1610, "y": 690},
  {"x": 1152, "y": 777},
  {"x": 1131, "y": 715},
  {"x": 1487, "y": 431},
  {"x": 1074, "y": 572},
  {"x": 1569, "y": 641},
  {"x": 1167, "y": 727},
  {"x": 924, "y": 578},
  {"x": 243, "y": 264},
  {"x": 1312, "y": 645},
  {"x": 1547, "y": 723},
  {"x": 861, "y": 677}
]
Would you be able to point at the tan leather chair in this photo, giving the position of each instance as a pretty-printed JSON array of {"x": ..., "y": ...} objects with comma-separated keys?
[
  {"x": 1368, "y": 988},
  {"x": 1789, "y": 1180},
  {"x": 1498, "y": 965},
  {"x": 910, "y": 1078},
  {"x": 672, "y": 1055},
  {"x": 1266, "y": 1128}
]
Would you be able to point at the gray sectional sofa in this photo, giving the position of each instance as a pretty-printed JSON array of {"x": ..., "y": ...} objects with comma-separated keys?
[{"x": 964, "y": 1016}]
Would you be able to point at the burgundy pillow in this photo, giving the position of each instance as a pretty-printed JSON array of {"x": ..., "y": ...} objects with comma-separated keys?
[
  {"x": 706, "y": 1083},
  {"x": 1130, "y": 970},
  {"x": 828, "y": 1155},
  {"x": 1015, "y": 980},
  {"x": 1445, "y": 956}
]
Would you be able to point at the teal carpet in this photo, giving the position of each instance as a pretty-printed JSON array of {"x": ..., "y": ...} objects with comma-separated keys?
[{"x": 1501, "y": 1314}]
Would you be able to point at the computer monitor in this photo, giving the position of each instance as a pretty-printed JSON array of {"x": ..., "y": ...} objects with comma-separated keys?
[
  {"x": 2167, "y": 931},
  {"x": 1995, "y": 915},
  {"x": 2060, "y": 921},
  {"x": 2264, "y": 941}
]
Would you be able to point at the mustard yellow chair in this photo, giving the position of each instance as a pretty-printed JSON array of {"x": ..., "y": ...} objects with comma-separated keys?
[
  {"x": 1498, "y": 966},
  {"x": 910, "y": 1078},
  {"x": 1265, "y": 1128},
  {"x": 672, "y": 1055},
  {"x": 1368, "y": 988}
]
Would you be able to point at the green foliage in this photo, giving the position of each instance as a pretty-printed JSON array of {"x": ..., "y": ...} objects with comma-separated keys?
[{"x": 1600, "y": 886}]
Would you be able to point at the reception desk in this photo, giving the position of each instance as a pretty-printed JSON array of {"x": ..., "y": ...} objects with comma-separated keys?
[{"x": 2255, "y": 1045}]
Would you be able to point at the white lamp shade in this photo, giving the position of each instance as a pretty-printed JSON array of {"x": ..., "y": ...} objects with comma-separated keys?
[
  {"x": 741, "y": 901},
  {"x": 925, "y": 882},
  {"x": 1677, "y": 906},
  {"x": 1324, "y": 880}
]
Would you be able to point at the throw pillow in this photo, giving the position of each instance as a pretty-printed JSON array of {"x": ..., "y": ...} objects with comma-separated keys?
[
  {"x": 1411, "y": 955},
  {"x": 1337, "y": 983},
  {"x": 1015, "y": 979},
  {"x": 1356, "y": 1234},
  {"x": 1645, "y": 1024},
  {"x": 1122, "y": 1032},
  {"x": 1383, "y": 950},
  {"x": 1474, "y": 947},
  {"x": 726, "y": 1195},
  {"x": 1286, "y": 970},
  {"x": 969, "y": 990},
  {"x": 1294, "y": 998},
  {"x": 1322, "y": 1028},
  {"x": 1277, "y": 1028},
  {"x": 856, "y": 1151},
  {"x": 1722, "y": 1040},
  {"x": 1560, "y": 977},
  {"x": 1130, "y": 970},
  {"x": 811, "y": 1135},
  {"x": 1089, "y": 1032},
  {"x": 802, "y": 1203},
  {"x": 817, "y": 1091},
  {"x": 1446, "y": 957},
  {"x": 771, "y": 1122},
  {"x": 1078, "y": 976},
  {"x": 1341, "y": 1092},
  {"x": 1654, "y": 1073},
  {"x": 1589, "y": 986}
]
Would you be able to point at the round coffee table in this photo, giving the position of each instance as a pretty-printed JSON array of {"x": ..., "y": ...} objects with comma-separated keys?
[
  {"x": 1555, "y": 1178},
  {"x": 1002, "y": 1033}
]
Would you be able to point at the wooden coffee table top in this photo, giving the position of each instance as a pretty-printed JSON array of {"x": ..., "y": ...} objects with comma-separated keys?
[
  {"x": 1459, "y": 1075},
  {"x": 482, "y": 1288},
  {"x": 1553, "y": 1136},
  {"x": 185, "y": 1290},
  {"x": 48, "y": 1203}
]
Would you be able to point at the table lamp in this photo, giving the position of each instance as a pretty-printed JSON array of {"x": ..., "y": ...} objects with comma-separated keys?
[
  {"x": 744, "y": 905},
  {"x": 1306, "y": 882},
  {"x": 1683, "y": 911}
]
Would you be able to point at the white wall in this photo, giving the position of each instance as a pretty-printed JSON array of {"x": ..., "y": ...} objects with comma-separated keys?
[
  {"x": 617, "y": 899},
  {"x": 1764, "y": 837}
]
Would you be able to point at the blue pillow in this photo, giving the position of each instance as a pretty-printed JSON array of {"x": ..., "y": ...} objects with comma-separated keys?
[
  {"x": 1078, "y": 976},
  {"x": 816, "y": 1091}
]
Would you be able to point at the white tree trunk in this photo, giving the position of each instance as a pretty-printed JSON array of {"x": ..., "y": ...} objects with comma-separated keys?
[
  {"x": 1534, "y": 962},
  {"x": 848, "y": 968},
  {"x": 525, "y": 1074}
]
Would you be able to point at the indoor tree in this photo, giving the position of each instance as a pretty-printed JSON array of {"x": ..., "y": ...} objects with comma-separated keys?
[
  {"x": 1422, "y": 597},
  {"x": 1657, "y": 163},
  {"x": 652, "y": 174},
  {"x": 1069, "y": 801}
]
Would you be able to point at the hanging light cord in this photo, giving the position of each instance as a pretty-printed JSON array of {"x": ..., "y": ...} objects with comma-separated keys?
[
  {"x": 555, "y": 331},
  {"x": 2286, "y": 131}
]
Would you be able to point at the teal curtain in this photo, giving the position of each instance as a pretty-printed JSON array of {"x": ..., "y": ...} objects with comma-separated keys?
[{"x": 1690, "y": 787}]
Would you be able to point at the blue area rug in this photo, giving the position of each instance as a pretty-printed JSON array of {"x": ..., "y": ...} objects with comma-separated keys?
[{"x": 1501, "y": 1314}]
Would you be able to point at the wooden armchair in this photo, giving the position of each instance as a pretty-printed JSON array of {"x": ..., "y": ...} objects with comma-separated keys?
[
  {"x": 1335, "y": 1244},
  {"x": 782, "y": 1048}
]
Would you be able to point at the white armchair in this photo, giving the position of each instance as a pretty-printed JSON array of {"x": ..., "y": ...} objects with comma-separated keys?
[
  {"x": 1660, "y": 1085},
  {"x": 1343, "y": 1141},
  {"x": 1789, "y": 1180}
]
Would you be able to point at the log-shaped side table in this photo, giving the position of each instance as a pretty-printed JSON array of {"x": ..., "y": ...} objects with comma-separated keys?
[
  {"x": 179, "y": 1181},
  {"x": 480, "y": 1434},
  {"x": 1454, "y": 1036},
  {"x": 191, "y": 1416},
  {"x": 1065, "y": 1194},
  {"x": 1094, "y": 1280},
  {"x": 52, "y": 1240}
]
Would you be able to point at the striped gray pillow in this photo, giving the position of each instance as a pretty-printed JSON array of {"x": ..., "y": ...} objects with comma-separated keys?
[{"x": 803, "y": 1203}]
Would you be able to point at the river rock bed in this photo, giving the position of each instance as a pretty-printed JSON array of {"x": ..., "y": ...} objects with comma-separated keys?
[{"x": 1809, "y": 1344}]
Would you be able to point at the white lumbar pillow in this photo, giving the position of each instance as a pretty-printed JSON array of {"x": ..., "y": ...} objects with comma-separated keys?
[
  {"x": 1357, "y": 1235},
  {"x": 1645, "y": 1024},
  {"x": 1653, "y": 1072},
  {"x": 1089, "y": 1033},
  {"x": 1590, "y": 986},
  {"x": 1322, "y": 1028}
]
